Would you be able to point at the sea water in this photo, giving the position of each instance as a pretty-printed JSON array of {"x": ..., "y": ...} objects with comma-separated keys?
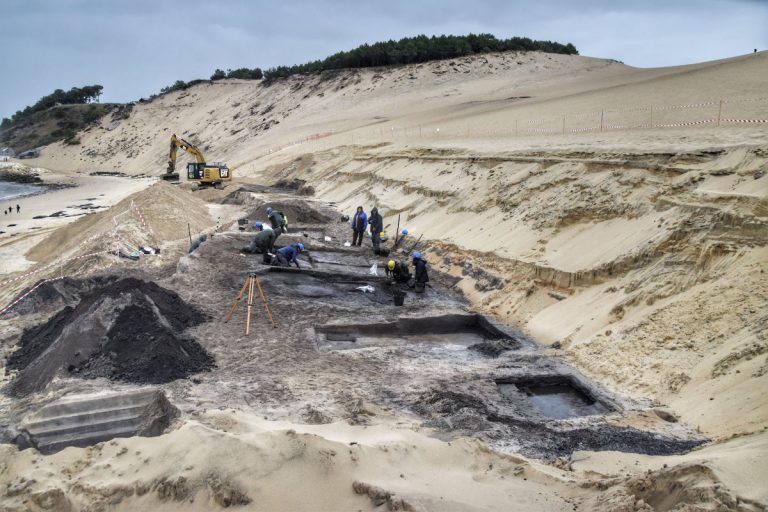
[{"x": 10, "y": 190}]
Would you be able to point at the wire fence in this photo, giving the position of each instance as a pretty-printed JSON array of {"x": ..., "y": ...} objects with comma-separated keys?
[{"x": 712, "y": 113}]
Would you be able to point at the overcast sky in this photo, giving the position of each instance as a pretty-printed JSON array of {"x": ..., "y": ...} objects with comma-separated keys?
[{"x": 135, "y": 47}]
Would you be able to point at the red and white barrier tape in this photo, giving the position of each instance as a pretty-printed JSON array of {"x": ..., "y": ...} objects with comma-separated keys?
[
  {"x": 689, "y": 123},
  {"x": 116, "y": 240},
  {"x": 758, "y": 121},
  {"x": 38, "y": 285}
]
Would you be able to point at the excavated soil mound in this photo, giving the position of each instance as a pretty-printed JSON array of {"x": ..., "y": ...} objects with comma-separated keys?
[{"x": 129, "y": 330}]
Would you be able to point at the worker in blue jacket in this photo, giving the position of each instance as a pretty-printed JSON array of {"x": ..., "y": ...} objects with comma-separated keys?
[
  {"x": 359, "y": 225},
  {"x": 287, "y": 255}
]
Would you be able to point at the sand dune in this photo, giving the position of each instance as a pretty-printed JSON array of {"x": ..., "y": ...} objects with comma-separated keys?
[{"x": 641, "y": 251}]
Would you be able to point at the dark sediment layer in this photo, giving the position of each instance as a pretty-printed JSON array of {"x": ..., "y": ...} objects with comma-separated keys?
[{"x": 128, "y": 330}]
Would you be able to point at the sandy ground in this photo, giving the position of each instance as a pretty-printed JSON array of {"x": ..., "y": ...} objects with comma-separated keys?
[
  {"x": 75, "y": 195},
  {"x": 641, "y": 251}
]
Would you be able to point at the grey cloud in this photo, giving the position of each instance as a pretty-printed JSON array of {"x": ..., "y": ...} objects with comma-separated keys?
[{"x": 136, "y": 47}]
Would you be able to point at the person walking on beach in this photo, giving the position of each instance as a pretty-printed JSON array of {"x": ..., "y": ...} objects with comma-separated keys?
[{"x": 18, "y": 209}]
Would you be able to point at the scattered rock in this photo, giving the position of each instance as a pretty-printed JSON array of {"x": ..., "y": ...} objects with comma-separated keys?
[
  {"x": 665, "y": 414},
  {"x": 225, "y": 493},
  {"x": 175, "y": 490},
  {"x": 380, "y": 497},
  {"x": 52, "y": 499}
]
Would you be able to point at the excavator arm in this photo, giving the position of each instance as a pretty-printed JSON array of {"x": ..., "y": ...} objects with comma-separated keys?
[{"x": 177, "y": 143}]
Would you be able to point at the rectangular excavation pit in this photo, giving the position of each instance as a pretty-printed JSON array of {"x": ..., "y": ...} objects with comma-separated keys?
[
  {"x": 327, "y": 287},
  {"x": 331, "y": 276},
  {"x": 457, "y": 330},
  {"x": 554, "y": 396}
]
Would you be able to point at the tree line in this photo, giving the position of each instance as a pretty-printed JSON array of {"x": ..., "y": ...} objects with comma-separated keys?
[
  {"x": 409, "y": 50},
  {"x": 412, "y": 50},
  {"x": 76, "y": 95}
]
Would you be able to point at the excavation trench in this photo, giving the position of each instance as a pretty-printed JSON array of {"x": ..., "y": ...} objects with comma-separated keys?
[
  {"x": 462, "y": 373},
  {"x": 471, "y": 331},
  {"x": 554, "y": 396}
]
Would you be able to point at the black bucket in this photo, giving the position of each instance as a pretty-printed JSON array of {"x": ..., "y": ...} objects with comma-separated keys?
[{"x": 399, "y": 298}]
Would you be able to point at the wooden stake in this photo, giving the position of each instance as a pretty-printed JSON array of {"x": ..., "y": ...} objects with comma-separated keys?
[
  {"x": 397, "y": 232},
  {"x": 719, "y": 112}
]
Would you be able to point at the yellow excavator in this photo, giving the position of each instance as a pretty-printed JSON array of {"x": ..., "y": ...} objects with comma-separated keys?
[{"x": 199, "y": 171}]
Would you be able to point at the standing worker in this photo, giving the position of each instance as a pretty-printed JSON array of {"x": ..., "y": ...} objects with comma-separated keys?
[
  {"x": 377, "y": 226},
  {"x": 263, "y": 242},
  {"x": 420, "y": 278},
  {"x": 359, "y": 223},
  {"x": 279, "y": 224},
  {"x": 287, "y": 255},
  {"x": 398, "y": 270}
]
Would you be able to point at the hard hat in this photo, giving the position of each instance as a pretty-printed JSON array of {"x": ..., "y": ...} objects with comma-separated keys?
[
  {"x": 269, "y": 210},
  {"x": 300, "y": 246},
  {"x": 259, "y": 225},
  {"x": 417, "y": 255},
  {"x": 391, "y": 264},
  {"x": 405, "y": 231}
]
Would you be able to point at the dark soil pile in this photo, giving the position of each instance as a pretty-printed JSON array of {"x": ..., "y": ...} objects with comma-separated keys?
[
  {"x": 129, "y": 330},
  {"x": 52, "y": 295}
]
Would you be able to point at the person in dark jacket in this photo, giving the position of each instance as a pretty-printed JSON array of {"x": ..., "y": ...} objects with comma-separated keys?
[
  {"x": 263, "y": 242},
  {"x": 287, "y": 255},
  {"x": 420, "y": 277},
  {"x": 398, "y": 271},
  {"x": 359, "y": 225},
  {"x": 277, "y": 220},
  {"x": 377, "y": 226}
]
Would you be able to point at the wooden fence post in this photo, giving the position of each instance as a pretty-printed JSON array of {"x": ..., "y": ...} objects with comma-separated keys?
[{"x": 719, "y": 112}]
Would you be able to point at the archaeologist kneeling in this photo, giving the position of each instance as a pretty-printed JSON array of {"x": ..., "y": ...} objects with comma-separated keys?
[
  {"x": 398, "y": 271},
  {"x": 420, "y": 278},
  {"x": 287, "y": 255},
  {"x": 264, "y": 240}
]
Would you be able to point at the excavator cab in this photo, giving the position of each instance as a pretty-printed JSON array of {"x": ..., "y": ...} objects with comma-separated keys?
[{"x": 208, "y": 173}]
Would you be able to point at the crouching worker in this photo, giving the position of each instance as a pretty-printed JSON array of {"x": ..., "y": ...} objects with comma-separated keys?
[
  {"x": 287, "y": 255},
  {"x": 420, "y": 278},
  {"x": 263, "y": 242},
  {"x": 398, "y": 271}
]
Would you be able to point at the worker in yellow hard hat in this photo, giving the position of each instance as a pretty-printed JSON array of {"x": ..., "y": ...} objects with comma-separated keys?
[{"x": 398, "y": 271}]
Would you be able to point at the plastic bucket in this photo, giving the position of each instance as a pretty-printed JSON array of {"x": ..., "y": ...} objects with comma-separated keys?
[{"x": 399, "y": 298}]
